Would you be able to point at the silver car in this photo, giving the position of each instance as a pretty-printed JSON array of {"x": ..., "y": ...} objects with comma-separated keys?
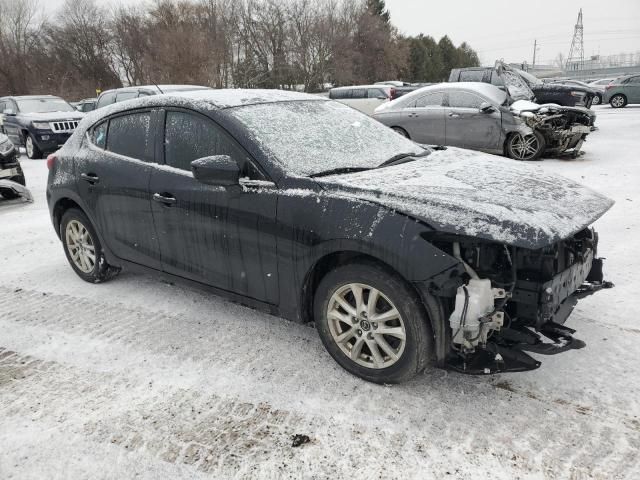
[{"x": 480, "y": 116}]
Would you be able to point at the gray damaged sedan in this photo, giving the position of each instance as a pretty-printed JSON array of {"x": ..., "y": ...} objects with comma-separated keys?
[{"x": 480, "y": 116}]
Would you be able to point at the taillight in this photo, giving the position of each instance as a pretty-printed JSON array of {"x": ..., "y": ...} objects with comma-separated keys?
[
  {"x": 392, "y": 93},
  {"x": 608, "y": 87},
  {"x": 51, "y": 159}
]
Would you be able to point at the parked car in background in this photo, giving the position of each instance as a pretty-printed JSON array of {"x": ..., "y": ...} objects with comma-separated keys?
[
  {"x": 558, "y": 93},
  {"x": 305, "y": 208},
  {"x": 127, "y": 93},
  {"x": 599, "y": 87},
  {"x": 623, "y": 91},
  {"x": 365, "y": 98},
  {"x": 86, "y": 105},
  {"x": 40, "y": 123},
  {"x": 12, "y": 178},
  {"x": 483, "y": 117}
]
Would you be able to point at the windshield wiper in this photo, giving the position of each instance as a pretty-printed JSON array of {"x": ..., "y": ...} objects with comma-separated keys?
[
  {"x": 338, "y": 171},
  {"x": 403, "y": 158}
]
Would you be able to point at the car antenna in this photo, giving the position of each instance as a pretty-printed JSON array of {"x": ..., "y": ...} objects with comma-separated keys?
[{"x": 159, "y": 89}]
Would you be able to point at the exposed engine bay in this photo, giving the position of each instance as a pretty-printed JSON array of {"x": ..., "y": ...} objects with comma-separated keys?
[
  {"x": 563, "y": 128},
  {"x": 515, "y": 300}
]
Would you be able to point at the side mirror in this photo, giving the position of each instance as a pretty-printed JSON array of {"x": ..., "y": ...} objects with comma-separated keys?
[
  {"x": 220, "y": 170},
  {"x": 9, "y": 111},
  {"x": 486, "y": 108}
]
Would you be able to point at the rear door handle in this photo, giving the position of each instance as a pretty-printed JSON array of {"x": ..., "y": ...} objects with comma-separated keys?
[
  {"x": 92, "y": 178},
  {"x": 412, "y": 115},
  {"x": 165, "y": 199},
  {"x": 454, "y": 115}
]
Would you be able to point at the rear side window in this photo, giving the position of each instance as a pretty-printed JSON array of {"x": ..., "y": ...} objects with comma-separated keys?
[
  {"x": 131, "y": 136},
  {"x": 358, "y": 93},
  {"x": 634, "y": 81},
  {"x": 106, "y": 99},
  {"x": 189, "y": 137},
  {"x": 339, "y": 94},
  {"x": 376, "y": 93},
  {"x": 430, "y": 100},
  {"x": 99, "y": 135},
  {"x": 464, "y": 100},
  {"x": 472, "y": 76},
  {"x": 122, "y": 96}
]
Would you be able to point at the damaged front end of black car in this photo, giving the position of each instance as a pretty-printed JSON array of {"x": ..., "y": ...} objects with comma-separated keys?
[{"x": 506, "y": 301}]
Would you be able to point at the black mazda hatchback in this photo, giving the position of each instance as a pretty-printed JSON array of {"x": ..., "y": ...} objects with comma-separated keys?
[{"x": 403, "y": 256}]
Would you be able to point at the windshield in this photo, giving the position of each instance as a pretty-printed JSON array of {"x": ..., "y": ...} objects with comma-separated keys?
[
  {"x": 310, "y": 137},
  {"x": 44, "y": 105}
]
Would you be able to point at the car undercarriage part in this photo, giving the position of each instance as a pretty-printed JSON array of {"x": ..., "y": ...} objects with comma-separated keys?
[
  {"x": 516, "y": 301},
  {"x": 16, "y": 189}
]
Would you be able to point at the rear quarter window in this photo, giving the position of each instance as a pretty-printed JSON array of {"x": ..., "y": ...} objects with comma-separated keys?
[
  {"x": 106, "y": 99},
  {"x": 98, "y": 135}
]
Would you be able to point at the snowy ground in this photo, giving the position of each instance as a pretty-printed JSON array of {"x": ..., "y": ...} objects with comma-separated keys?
[{"x": 137, "y": 378}]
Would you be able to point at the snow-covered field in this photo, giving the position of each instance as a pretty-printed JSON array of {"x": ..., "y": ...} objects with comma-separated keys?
[{"x": 136, "y": 378}]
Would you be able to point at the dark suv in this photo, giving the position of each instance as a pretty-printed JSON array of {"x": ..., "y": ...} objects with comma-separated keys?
[
  {"x": 567, "y": 95},
  {"x": 40, "y": 123}
]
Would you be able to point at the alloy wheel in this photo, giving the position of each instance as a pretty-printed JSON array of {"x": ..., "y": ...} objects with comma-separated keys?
[
  {"x": 617, "y": 101},
  {"x": 596, "y": 100},
  {"x": 80, "y": 245},
  {"x": 366, "y": 326},
  {"x": 524, "y": 147},
  {"x": 29, "y": 147}
]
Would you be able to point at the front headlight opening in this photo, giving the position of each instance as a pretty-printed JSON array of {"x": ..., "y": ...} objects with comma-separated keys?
[
  {"x": 41, "y": 125},
  {"x": 6, "y": 147}
]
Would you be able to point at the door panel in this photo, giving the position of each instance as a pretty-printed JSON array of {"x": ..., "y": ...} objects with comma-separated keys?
[
  {"x": 467, "y": 126},
  {"x": 223, "y": 237},
  {"x": 426, "y": 125},
  {"x": 116, "y": 191}
]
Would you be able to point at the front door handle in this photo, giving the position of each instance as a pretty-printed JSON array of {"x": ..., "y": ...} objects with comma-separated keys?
[
  {"x": 165, "y": 199},
  {"x": 92, "y": 178},
  {"x": 454, "y": 115}
]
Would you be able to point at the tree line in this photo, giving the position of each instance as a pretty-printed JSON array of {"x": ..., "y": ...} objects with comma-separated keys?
[{"x": 85, "y": 46}]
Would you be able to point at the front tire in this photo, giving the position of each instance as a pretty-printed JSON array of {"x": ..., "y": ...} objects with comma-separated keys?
[
  {"x": 372, "y": 323},
  {"x": 33, "y": 152},
  {"x": 83, "y": 249},
  {"x": 525, "y": 147},
  {"x": 401, "y": 131},
  {"x": 618, "y": 101},
  {"x": 597, "y": 100}
]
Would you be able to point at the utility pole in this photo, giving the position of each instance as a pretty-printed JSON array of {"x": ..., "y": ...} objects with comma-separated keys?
[{"x": 535, "y": 49}]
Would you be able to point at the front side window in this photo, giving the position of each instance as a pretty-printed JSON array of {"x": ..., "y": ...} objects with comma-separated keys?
[
  {"x": 190, "y": 136},
  {"x": 430, "y": 100},
  {"x": 464, "y": 100},
  {"x": 472, "y": 75},
  {"x": 376, "y": 93},
  {"x": 357, "y": 93},
  {"x": 130, "y": 135}
]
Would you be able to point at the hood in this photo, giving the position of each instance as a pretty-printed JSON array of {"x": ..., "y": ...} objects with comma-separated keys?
[
  {"x": 521, "y": 106},
  {"x": 516, "y": 86},
  {"x": 478, "y": 195},
  {"x": 53, "y": 116}
]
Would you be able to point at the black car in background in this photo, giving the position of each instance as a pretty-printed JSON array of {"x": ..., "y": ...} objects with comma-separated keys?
[
  {"x": 86, "y": 105},
  {"x": 567, "y": 95},
  {"x": 116, "y": 95},
  {"x": 10, "y": 169},
  {"x": 40, "y": 123},
  {"x": 305, "y": 208}
]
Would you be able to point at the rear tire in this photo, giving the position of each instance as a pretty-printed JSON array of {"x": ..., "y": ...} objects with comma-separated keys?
[
  {"x": 33, "y": 152},
  {"x": 618, "y": 101},
  {"x": 525, "y": 147},
  {"x": 83, "y": 249},
  {"x": 597, "y": 100},
  {"x": 388, "y": 338}
]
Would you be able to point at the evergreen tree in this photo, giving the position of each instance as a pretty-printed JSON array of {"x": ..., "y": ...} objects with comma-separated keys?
[{"x": 379, "y": 9}]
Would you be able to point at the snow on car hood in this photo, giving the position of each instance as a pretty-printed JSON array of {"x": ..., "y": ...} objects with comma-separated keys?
[{"x": 470, "y": 193}]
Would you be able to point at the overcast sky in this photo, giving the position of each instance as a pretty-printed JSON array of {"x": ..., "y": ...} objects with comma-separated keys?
[{"x": 507, "y": 28}]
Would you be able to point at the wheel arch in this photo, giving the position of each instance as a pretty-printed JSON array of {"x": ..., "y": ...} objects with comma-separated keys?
[{"x": 60, "y": 207}]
